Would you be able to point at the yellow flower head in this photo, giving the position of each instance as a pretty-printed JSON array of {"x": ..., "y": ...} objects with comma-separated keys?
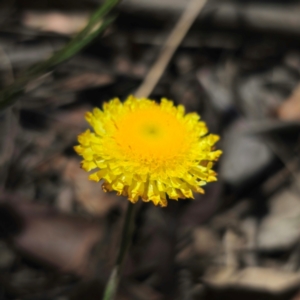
[{"x": 140, "y": 148}]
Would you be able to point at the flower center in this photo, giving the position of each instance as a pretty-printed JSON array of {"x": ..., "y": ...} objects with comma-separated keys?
[
  {"x": 151, "y": 130},
  {"x": 150, "y": 134}
]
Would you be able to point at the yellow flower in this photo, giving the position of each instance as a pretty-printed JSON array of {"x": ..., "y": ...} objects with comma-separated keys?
[{"x": 140, "y": 148}]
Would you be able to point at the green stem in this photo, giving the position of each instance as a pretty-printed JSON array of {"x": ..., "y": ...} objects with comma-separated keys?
[{"x": 113, "y": 282}]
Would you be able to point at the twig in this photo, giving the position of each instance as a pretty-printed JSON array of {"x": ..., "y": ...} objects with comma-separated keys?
[{"x": 178, "y": 33}]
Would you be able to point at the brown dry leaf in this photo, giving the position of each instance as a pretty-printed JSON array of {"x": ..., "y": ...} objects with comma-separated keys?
[
  {"x": 63, "y": 23},
  {"x": 85, "y": 81},
  {"x": 297, "y": 296},
  {"x": 289, "y": 110},
  {"x": 280, "y": 228},
  {"x": 206, "y": 241},
  {"x": 142, "y": 292},
  {"x": 89, "y": 193},
  {"x": 68, "y": 123},
  {"x": 255, "y": 278},
  {"x": 232, "y": 244},
  {"x": 61, "y": 240}
]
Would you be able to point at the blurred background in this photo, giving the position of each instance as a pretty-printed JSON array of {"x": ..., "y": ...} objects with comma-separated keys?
[{"x": 238, "y": 67}]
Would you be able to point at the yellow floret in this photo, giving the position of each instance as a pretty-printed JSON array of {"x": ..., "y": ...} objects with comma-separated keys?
[{"x": 142, "y": 149}]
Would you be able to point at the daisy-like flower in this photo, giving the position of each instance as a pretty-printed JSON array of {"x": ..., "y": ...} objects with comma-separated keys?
[{"x": 142, "y": 149}]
